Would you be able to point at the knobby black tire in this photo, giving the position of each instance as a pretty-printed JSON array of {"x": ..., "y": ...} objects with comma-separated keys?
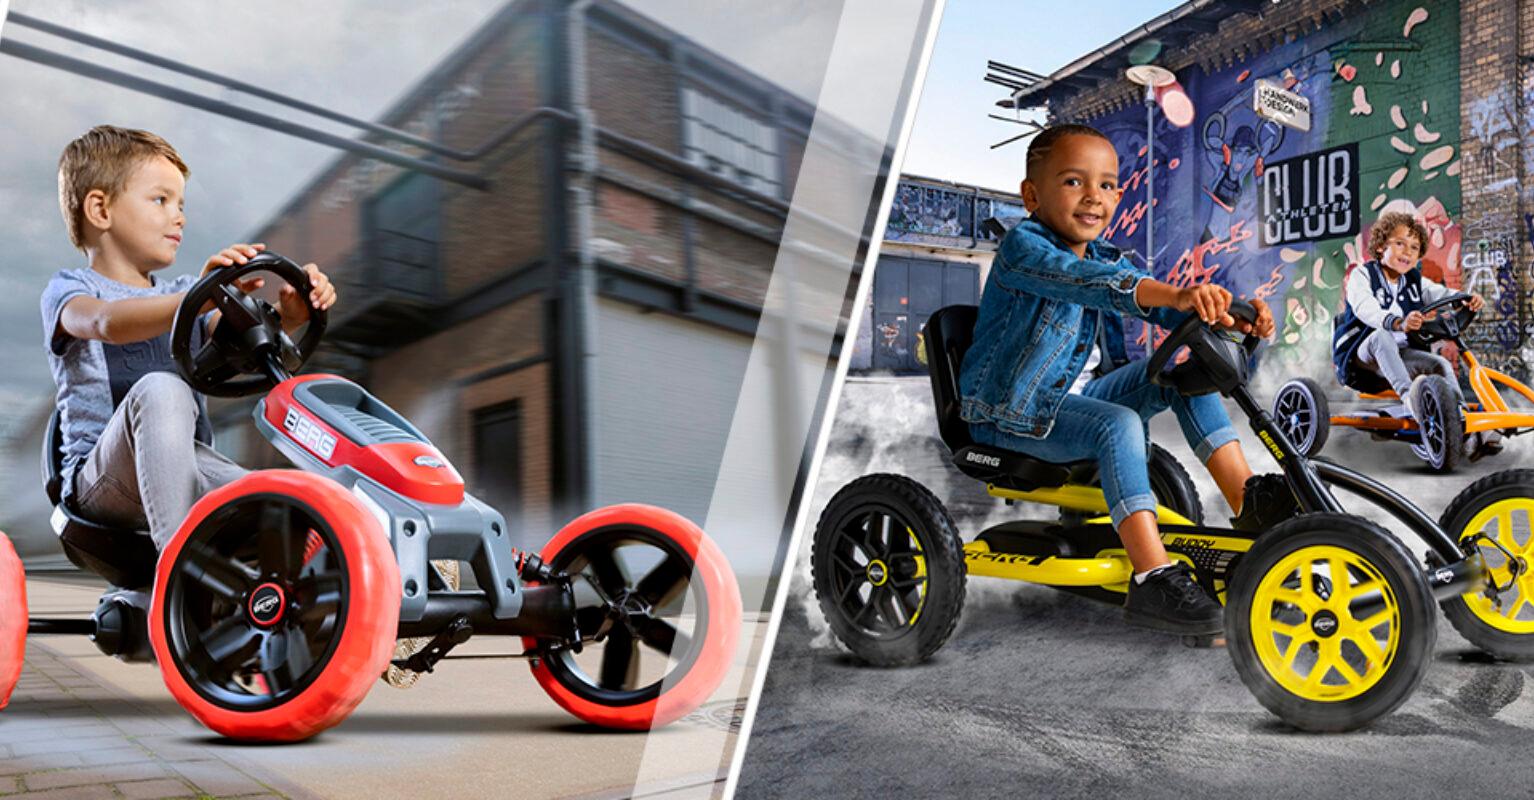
[
  {"x": 1169, "y": 482},
  {"x": 942, "y": 551},
  {"x": 1506, "y": 485}
]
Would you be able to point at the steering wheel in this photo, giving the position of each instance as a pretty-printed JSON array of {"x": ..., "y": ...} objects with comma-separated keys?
[
  {"x": 1446, "y": 326},
  {"x": 1216, "y": 362},
  {"x": 249, "y": 339}
]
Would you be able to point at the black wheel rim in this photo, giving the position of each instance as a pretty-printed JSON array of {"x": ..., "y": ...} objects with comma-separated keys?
[
  {"x": 876, "y": 576},
  {"x": 232, "y": 645},
  {"x": 1296, "y": 415},
  {"x": 642, "y": 620}
]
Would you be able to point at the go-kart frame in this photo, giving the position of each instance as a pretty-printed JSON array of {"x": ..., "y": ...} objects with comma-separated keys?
[
  {"x": 1329, "y": 618},
  {"x": 276, "y": 605}
]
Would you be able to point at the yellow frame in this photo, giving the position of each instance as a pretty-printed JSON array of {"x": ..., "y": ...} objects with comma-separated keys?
[{"x": 1108, "y": 569}]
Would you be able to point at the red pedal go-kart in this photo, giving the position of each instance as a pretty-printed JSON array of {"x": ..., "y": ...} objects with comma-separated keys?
[{"x": 277, "y": 604}]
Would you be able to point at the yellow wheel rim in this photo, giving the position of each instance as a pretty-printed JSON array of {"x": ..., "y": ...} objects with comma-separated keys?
[
  {"x": 1325, "y": 623},
  {"x": 921, "y": 573},
  {"x": 1509, "y": 523}
]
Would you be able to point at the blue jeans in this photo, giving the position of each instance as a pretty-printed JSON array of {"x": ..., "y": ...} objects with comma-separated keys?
[{"x": 1109, "y": 423}]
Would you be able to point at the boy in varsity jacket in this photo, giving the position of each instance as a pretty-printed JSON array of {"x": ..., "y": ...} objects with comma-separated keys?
[{"x": 1385, "y": 296}]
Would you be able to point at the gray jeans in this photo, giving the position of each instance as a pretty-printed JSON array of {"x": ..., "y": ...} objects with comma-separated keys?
[
  {"x": 148, "y": 468},
  {"x": 1399, "y": 365}
]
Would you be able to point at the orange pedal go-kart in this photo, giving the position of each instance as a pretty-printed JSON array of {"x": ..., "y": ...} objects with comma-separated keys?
[
  {"x": 277, "y": 603},
  {"x": 1448, "y": 429}
]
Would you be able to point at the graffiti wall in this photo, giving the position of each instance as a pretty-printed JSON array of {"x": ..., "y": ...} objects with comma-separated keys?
[
  {"x": 935, "y": 213},
  {"x": 1281, "y": 214}
]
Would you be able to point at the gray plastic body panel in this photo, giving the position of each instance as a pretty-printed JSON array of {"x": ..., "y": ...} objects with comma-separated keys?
[{"x": 419, "y": 532}]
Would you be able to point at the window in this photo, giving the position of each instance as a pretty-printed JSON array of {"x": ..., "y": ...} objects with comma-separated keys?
[
  {"x": 730, "y": 143},
  {"x": 498, "y": 462},
  {"x": 402, "y": 232}
]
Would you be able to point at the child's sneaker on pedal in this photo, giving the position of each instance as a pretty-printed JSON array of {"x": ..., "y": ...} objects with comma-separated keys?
[
  {"x": 1481, "y": 444},
  {"x": 1168, "y": 599},
  {"x": 1266, "y": 501}
]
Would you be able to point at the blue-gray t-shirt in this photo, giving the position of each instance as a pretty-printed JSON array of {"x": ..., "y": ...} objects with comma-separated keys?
[{"x": 93, "y": 376}]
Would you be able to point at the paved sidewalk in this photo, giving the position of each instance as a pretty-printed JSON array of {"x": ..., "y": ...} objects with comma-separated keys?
[
  {"x": 66, "y": 735},
  {"x": 84, "y": 725}
]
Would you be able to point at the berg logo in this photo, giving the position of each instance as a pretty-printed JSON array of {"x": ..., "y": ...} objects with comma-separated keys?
[
  {"x": 983, "y": 459},
  {"x": 1325, "y": 624},
  {"x": 308, "y": 433},
  {"x": 429, "y": 461},
  {"x": 266, "y": 605},
  {"x": 1278, "y": 452}
]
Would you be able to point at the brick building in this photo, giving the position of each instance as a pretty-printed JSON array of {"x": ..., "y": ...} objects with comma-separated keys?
[
  {"x": 1420, "y": 104},
  {"x": 555, "y": 388},
  {"x": 935, "y": 253}
]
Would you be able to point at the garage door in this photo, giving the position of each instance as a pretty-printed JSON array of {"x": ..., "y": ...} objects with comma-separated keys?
[
  {"x": 665, "y": 394},
  {"x": 906, "y": 291}
]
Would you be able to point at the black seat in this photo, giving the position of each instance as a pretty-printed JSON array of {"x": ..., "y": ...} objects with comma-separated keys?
[
  {"x": 947, "y": 337},
  {"x": 125, "y": 558}
]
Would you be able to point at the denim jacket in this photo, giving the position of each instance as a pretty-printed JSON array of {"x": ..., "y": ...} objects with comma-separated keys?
[{"x": 1039, "y": 317}]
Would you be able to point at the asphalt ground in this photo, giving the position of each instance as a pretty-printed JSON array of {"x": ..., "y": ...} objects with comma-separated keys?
[{"x": 1042, "y": 693}]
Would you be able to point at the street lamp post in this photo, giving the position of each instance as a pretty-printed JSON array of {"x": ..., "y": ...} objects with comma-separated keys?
[{"x": 1150, "y": 76}]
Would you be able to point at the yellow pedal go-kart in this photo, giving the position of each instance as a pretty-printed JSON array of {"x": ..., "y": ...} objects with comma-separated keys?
[
  {"x": 1450, "y": 429},
  {"x": 1329, "y": 617}
]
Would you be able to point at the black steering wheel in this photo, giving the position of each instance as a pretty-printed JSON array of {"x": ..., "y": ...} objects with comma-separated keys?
[
  {"x": 249, "y": 339},
  {"x": 1216, "y": 361},
  {"x": 1447, "y": 326}
]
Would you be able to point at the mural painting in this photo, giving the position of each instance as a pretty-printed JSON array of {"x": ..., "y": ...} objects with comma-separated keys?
[{"x": 1385, "y": 119}]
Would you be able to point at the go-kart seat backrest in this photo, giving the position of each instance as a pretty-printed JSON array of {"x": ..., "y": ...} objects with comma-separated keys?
[
  {"x": 53, "y": 459},
  {"x": 946, "y": 337},
  {"x": 123, "y": 557}
]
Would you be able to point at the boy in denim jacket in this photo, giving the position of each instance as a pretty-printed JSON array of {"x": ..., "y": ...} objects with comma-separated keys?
[{"x": 1052, "y": 283}]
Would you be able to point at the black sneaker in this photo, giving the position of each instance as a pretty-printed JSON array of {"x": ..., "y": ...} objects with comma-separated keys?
[
  {"x": 1482, "y": 444},
  {"x": 1266, "y": 501},
  {"x": 1169, "y": 600}
]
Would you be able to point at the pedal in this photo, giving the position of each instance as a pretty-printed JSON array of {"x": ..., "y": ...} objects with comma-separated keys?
[
  {"x": 1479, "y": 446},
  {"x": 456, "y": 633},
  {"x": 122, "y": 626},
  {"x": 441, "y": 575}
]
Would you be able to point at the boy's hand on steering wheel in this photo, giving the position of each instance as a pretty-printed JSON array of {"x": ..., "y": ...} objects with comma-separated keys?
[
  {"x": 1413, "y": 321},
  {"x": 1476, "y": 302},
  {"x": 1263, "y": 327},
  {"x": 1210, "y": 302},
  {"x": 228, "y": 257},
  {"x": 295, "y": 310}
]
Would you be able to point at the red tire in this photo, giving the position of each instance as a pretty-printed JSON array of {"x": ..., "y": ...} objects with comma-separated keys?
[
  {"x": 13, "y": 619},
  {"x": 257, "y": 641},
  {"x": 692, "y": 663}
]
